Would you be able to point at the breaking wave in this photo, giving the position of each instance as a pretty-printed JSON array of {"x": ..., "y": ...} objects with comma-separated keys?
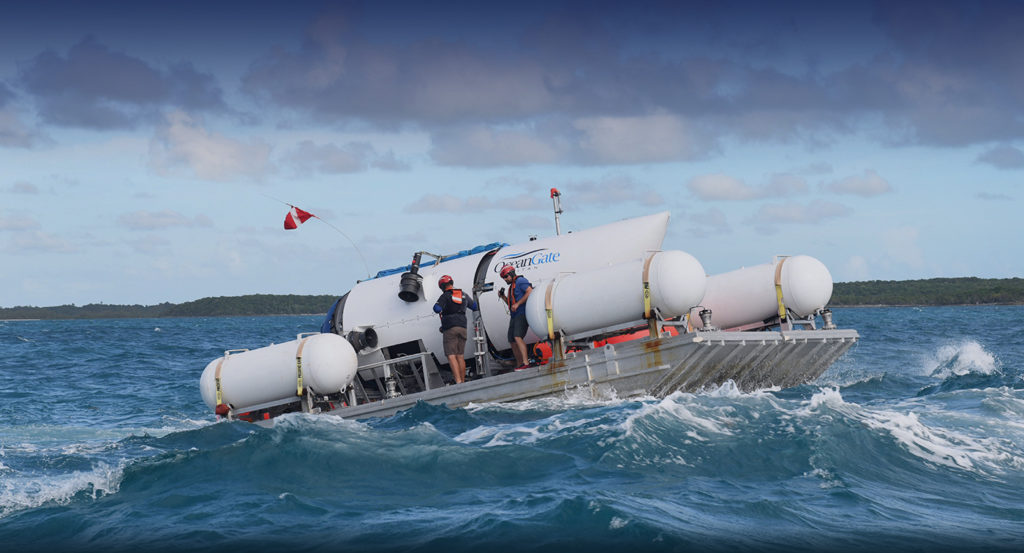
[{"x": 959, "y": 359}]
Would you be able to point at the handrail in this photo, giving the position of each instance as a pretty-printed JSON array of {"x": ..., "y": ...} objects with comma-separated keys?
[
  {"x": 394, "y": 360},
  {"x": 387, "y": 363}
]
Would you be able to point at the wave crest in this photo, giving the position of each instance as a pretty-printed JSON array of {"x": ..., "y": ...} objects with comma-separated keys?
[
  {"x": 961, "y": 359},
  {"x": 29, "y": 492}
]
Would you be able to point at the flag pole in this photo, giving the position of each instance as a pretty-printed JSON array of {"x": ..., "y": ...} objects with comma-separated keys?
[{"x": 365, "y": 265}]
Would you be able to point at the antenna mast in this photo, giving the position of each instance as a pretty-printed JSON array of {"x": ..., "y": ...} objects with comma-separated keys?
[{"x": 556, "y": 201}]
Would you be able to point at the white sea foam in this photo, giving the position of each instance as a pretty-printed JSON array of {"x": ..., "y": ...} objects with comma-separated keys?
[
  {"x": 681, "y": 407},
  {"x": 304, "y": 420},
  {"x": 1009, "y": 403},
  {"x": 526, "y": 433},
  {"x": 728, "y": 389},
  {"x": 938, "y": 446},
  {"x": 959, "y": 359},
  {"x": 18, "y": 493},
  {"x": 491, "y": 436},
  {"x": 930, "y": 442},
  {"x": 827, "y": 396}
]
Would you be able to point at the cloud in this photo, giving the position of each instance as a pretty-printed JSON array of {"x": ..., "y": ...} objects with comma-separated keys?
[
  {"x": 13, "y": 132},
  {"x": 482, "y": 146},
  {"x": 647, "y": 87},
  {"x": 159, "y": 220},
  {"x": 721, "y": 187},
  {"x": 1003, "y": 157},
  {"x": 37, "y": 241},
  {"x": 95, "y": 87},
  {"x": 329, "y": 158},
  {"x": 724, "y": 187},
  {"x": 338, "y": 74},
  {"x": 22, "y": 187},
  {"x": 956, "y": 74},
  {"x": 866, "y": 185},
  {"x": 352, "y": 157},
  {"x": 17, "y": 222},
  {"x": 388, "y": 162},
  {"x": 605, "y": 140},
  {"x": 785, "y": 184},
  {"x": 769, "y": 216},
  {"x": 659, "y": 137},
  {"x": 183, "y": 143}
]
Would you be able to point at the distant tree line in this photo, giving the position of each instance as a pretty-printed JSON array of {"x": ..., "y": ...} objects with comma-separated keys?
[
  {"x": 254, "y": 304},
  {"x": 935, "y": 291}
]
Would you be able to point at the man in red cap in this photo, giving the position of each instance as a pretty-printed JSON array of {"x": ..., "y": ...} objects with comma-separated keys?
[
  {"x": 452, "y": 307},
  {"x": 519, "y": 289}
]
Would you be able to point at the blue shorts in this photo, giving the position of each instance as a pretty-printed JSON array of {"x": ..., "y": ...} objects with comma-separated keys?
[{"x": 516, "y": 328}]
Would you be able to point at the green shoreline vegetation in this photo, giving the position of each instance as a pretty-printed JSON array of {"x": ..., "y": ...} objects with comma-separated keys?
[
  {"x": 254, "y": 304},
  {"x": 930, "y": 292}
]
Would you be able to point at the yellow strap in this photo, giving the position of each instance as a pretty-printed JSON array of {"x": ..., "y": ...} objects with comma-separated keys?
[
  {"x": 298, "y": 365},
  {"x": 216, "y": 377},
  {"x": 647, "y": 287},
  {"x": 778, "y": 288},
  {"x": 550, "y": 310}
]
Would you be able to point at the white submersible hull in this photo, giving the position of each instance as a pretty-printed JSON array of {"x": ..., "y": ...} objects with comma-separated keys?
[{"x": 610, "y": 314}]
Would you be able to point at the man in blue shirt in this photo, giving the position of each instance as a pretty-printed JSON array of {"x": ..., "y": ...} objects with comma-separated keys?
[
  {"x": 452, "y": 307},
  {"x": 519, "y": 289}
]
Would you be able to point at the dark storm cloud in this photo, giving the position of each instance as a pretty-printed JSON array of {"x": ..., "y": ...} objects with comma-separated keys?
[
  {"x": 954, "y": 76},
  {"x": 95, "y": 87},
  {"x": 936, "y": 73},
  {"x": 338, "y": 74}
]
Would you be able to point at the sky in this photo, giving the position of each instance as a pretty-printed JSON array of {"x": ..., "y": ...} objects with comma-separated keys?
[{"x": 148, "y": 150}]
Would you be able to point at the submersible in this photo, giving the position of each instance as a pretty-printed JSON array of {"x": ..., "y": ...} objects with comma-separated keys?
[{"x": 672, "y": 327}]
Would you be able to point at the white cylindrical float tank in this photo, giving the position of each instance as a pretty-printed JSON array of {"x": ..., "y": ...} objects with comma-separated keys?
[
  {"x": 593, "y": 300},
  {"x": 748, "y": 295},
  {"x": 270, "y": 373}
]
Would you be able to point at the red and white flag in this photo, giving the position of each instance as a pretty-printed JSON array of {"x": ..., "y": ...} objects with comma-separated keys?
[{"x": 296, "y": 217}]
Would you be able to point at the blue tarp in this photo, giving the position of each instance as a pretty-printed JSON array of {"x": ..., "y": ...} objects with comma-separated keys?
[{"x": 463, "y": 253}]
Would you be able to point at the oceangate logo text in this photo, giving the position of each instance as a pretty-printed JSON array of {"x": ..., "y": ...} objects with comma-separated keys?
[{"x": 527, "y": 260}]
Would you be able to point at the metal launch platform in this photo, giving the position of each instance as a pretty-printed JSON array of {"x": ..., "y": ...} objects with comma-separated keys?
[{"x": 645, "y": 367}]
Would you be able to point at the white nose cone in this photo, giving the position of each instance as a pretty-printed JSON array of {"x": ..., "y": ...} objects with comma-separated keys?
[
  {"x": 806, "y": 284},
  {"x": 677, "y": 282}
]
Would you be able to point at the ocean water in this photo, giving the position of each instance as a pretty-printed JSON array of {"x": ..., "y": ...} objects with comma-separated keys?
[{"x": 913, "y": 441}]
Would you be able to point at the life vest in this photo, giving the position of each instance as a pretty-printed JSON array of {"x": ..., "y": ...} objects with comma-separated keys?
[
  {"x": 512, "y": 292},
  {"x": 453, "y": 308}
]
